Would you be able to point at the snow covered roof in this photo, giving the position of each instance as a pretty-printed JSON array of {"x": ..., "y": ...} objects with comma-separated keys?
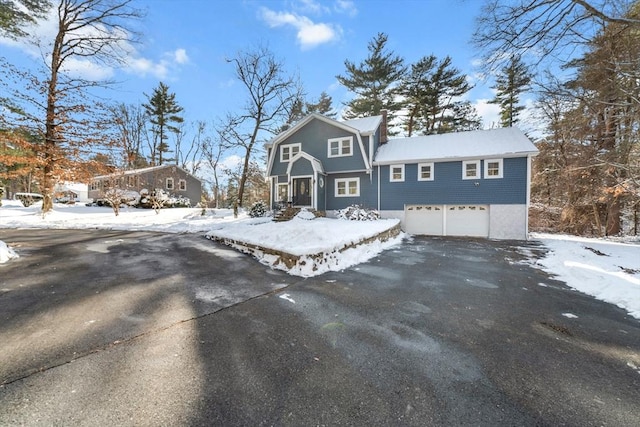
[
  {"x": 502, "y": 142},
  {"x": 365, "y": 125}
]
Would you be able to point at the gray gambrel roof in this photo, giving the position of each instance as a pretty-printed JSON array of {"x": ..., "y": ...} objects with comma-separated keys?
[{"x": 502, "y": 142}]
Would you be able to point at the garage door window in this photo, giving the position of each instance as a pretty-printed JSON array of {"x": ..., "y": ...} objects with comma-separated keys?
[
  {"x": 493, "y": 168},
  {"x": 471, "y": 169}
]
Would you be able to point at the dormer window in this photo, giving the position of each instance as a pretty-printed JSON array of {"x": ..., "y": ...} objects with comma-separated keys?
[
  {"x": 340, "y": 147},
  {"x": 288, "y": 151}
]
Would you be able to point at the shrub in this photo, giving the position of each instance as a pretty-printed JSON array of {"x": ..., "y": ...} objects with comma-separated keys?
[
  {"x": 358, "y": 213},
  {"x": 258, "y": 209}
]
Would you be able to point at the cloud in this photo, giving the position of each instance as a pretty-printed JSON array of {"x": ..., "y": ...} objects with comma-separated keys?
[
  {"x": 309, "y": 34},
  {"x": 346, "y": 7},
  {"x": 180, "y": 56},
  {"x": 44, "y": 31},
  {"x": 490, "y": 113}
]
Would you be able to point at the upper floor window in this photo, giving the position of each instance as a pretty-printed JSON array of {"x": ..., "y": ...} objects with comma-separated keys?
[
  {"x": 425, "y": 172},
  {"x": 348, "y": 187},
  {"x": 288, "y": 151},
  {"x": 182, "y": 185},
  {"x": 169, "y": 184},
  {"x": 339, "y": 147},
  {"x": 396, "y": 173},
  {"x": 471, "y": 169},
  {"x": 493, "y": 168}
]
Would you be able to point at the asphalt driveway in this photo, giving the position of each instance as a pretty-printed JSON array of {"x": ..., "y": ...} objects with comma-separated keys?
[{"x": 133, "y": 328}]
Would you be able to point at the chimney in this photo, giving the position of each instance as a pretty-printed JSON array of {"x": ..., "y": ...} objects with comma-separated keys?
[{"x": 383, "y": 127}]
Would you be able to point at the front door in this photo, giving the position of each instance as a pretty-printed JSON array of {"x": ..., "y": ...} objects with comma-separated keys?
[{"x": 302, "y": 191}]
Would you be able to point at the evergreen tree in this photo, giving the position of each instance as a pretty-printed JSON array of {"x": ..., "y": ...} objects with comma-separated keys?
[
  {"x": 432, "y": 92},
  {"x": 374, "y": 81},
  {"x": 513, "y": 80},
  {"x": 16, "y": 14},
  {"x": 163, "y": 110},
  {"x": 323, "y": 106}
]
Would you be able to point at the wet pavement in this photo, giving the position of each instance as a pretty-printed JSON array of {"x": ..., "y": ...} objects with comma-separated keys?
[{"x": 134, "y": 328}]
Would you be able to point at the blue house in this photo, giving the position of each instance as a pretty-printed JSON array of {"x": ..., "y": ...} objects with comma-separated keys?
[{"x": 473, "y": 183}]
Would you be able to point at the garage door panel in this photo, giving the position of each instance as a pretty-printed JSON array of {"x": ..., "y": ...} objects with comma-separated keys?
[
  {"x": 424, "y": 219},
  {"x": 467, "y": 220}
]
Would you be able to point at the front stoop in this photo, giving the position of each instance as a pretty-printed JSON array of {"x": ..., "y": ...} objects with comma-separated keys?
[{"x": 286, "y": 261}]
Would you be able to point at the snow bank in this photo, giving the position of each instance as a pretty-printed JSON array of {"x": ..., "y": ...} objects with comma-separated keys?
[
  {"x": 608, "y": 270},
  {"x": 6, "y": 253}
]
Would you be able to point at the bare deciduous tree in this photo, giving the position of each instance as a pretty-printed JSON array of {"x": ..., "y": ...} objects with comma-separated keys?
[
  {"x": 66, "y": 120},
  {"x": 270, "y": 93},
  {"x": 129, "y": 121},
  {"x": 543, "y": 27}
]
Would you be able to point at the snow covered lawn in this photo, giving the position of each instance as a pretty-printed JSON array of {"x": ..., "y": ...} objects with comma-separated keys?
[{"x": 607, "y": 269}]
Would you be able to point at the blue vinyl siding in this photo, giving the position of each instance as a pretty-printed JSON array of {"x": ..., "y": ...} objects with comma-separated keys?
[
  {"x": 449, "y": 188},
  {"x": 368, "y": 192},
  {"x": 302, "y": 167},
  {"x": 314, "y": 137}
]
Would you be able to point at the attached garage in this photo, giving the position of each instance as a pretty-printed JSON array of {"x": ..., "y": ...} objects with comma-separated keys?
[
  {"x": 447, "y": 220},
  {"x": 467, "y": 220},
  {"x": 419, "y": 219}
]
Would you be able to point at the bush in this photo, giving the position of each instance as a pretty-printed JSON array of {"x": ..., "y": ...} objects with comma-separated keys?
[
  {"x": 258, "y": 210},
  {"x": 358, "y": 213}
]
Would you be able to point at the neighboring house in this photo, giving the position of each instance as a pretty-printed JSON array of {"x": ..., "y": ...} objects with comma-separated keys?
[
  {"x": 169, "y": 178},
  {"x": 72, "y": 192},
  {"x": 473, "y": 183}
]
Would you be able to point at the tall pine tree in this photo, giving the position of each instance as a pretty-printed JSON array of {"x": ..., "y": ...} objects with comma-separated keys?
[
  {"x": 163, "y": 110},
  {"x": 432, "y": 94},
  {"x": 513, "y": 80},
  {"x": 374, "y": 81}
]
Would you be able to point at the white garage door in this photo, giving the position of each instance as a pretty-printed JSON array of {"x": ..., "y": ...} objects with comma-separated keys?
[
  {"x": 448, "y": 220},
  {"x": 421, "y": 219},
  {"x": 467, "y": 220}
]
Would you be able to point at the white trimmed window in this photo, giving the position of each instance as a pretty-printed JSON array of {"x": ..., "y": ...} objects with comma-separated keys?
[
  {"x": 348, "y": 187},
  {"x": 283, "y": 193},
  {"x": 471, "y": 169},
  {"x": 182, "y": 185},
  {"x": 493, "y": 168},
  {"x": 340, "y": 147},
  {"x": 396, "y": 173},
  {"x": 288, "y": 151},
  {"x": 169, "y": 184},
  {"x": 425, "y": 172}
]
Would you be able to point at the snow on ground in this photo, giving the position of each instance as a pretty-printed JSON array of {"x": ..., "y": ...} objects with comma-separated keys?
[
  {"x": 607, "y": 269},
  {"x": 604, "y": 268},
  {"x": 301, "y": 236}
]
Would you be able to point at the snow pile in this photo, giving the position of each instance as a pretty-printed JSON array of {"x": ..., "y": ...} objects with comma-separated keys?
[
  {"x": 605, "y": 269},
  {"x": 6, "y": 253},
  {"x": 305, "y": 214}
]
